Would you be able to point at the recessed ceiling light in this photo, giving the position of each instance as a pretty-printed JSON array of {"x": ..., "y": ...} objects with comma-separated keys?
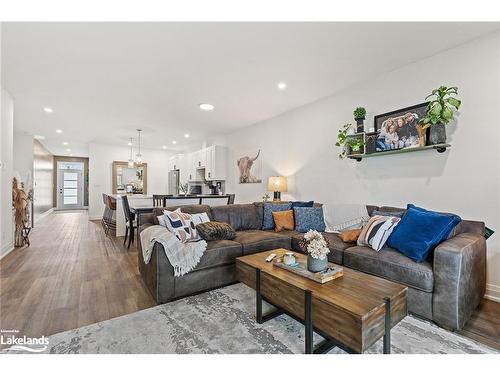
[
  {"x": 48, "y": 110},
  {"x": 70, "y": 154},
  {"x": 186, "y": 135},
  {"x": 68, "y": 149},
  {"x": 129, "y": 144},
  {"x": 164, "y": 147},
  {"x": 206, "y": 107},
  {"x": 39, "y": 137},
  {"x": 58, "y": 131},
  {"x": 282, "y": 86},
  {"x": 65, "y": 143},
  {"x": 174, "y": 142}
]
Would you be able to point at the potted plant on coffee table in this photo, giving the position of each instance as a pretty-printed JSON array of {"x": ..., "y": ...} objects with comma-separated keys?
[
  {"x": 440, "y": 111},
  {"x": 317, "y": 249},
  {"x": 359, "y": 116}
]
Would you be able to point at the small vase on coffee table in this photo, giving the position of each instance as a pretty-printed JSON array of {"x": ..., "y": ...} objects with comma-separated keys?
[{"x": 316, "y": 265}]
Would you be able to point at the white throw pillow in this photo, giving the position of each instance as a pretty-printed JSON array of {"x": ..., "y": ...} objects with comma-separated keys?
[
  {"x": 181, "y": 225},
  {"x": 161, "y": 221}
]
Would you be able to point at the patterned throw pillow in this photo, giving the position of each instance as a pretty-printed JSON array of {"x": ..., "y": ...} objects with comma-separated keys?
[
  {"x": 376, "y": 232},
  {"x": 307, "y": 218},
  {"x": 214, "y": 230},
  {"x": 269, "y": 208},
  {"x": 283, "y": 220},
  {"x": 350, "y": 236},
  {"x": 181, "y": 225}
]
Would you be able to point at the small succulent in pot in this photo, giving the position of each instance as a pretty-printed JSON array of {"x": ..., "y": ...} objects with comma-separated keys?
[
  {"x": 349, "y": 143},
  {"x": 359, "y": 113},
  {"x": 359, "y": 116}
]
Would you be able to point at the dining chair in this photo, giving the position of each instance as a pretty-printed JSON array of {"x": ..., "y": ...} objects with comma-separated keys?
[
  {"x": 130, "y": 225},
  {"x": 158, "y": 200}
]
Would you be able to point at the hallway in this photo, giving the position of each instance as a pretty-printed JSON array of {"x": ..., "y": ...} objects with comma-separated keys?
[{"x": 72, "y": 275}]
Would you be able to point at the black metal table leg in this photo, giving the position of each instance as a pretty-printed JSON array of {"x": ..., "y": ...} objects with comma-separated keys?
[
  {"x": 308, "y": 322},
  {"x": 258, "y": 302},
  {"x": 387, "y": 333}
]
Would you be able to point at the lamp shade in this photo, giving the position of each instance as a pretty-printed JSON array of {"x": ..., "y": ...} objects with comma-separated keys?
[{"x": 277, "y": 183}]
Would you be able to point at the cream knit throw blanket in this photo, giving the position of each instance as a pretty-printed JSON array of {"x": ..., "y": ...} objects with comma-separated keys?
[{"x": 182, "y": 256}]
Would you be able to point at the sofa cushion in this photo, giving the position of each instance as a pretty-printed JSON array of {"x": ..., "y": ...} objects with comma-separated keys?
[
  {"x": 189, "y": 209},
  {"x": 302, "y": 204},
  {"x": 420, "y": 231},
  {"x": 219, "y": 253},
  {"x": 255, "y": 241},
  {"x": 335, "y": 244},
  {"x": 391, "y": 264},
  {"x": 283, "y": 220},
  {"x": 307, "y": 218},
  {"x": 269, "y": 208},
  {"x": 215, "y": 230},
  {"x": 239, "y": 216}
]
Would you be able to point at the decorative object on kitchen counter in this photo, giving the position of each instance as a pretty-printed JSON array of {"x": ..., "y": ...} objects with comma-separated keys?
[
  {"x": 360, "y": 115},
  {"x": 349, "y": 143},
  {"x": 439, "y": 112},
  {"x": 250, "y": 168}
]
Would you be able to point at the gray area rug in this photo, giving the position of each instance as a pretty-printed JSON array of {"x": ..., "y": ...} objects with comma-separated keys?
[{"x": 223, "y": 321}]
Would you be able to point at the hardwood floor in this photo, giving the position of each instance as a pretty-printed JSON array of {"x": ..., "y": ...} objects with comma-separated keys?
[{"x": 73, "y": 275}]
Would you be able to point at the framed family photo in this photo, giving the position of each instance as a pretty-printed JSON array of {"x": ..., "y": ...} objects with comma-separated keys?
[{"x": 398, "y": 129}]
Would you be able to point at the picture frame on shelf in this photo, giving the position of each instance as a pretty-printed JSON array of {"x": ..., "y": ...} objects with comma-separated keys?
[{"x": 398, "y": 129}]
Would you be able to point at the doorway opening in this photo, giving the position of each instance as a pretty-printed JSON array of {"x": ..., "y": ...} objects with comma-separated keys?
[{"x": 70, "y": 185}]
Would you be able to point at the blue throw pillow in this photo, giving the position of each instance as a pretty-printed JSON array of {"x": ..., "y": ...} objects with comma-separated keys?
[
  {"x": 307, "y": 218},
  {"x": 420, "y": 231},
  {"x": 302, "y": 204},
  {"x": 269, "y": 208}
]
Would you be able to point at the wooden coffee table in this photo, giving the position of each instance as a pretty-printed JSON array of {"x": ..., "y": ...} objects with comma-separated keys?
[{"x": 351, "y": 312}]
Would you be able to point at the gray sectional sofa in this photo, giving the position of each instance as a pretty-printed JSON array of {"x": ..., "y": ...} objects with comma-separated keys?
[{"x": 446, "y": 289}]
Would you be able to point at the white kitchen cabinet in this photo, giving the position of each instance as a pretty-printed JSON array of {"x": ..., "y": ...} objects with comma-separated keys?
[
  {"x": 215, "y": 163},
  {"x": 191, "y": 162}
]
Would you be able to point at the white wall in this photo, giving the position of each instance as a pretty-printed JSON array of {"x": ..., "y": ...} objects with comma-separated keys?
[
  {"x": 23, "y": 158},
  {"x": 465, "y": 179},
  {"x": 6, "y": 166},
  {"x": 101, "y": 157}
]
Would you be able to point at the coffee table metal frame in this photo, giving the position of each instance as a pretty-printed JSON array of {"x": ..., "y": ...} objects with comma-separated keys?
[{"x": 329, "y": 342}]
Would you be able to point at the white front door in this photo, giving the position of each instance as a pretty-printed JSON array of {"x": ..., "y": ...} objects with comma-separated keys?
[{"x": 69, "y": 189}]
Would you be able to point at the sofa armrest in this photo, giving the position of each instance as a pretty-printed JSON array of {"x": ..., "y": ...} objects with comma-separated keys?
[
  {"x": 158, "y": 274},
  {"x": 459, "y": 279}
]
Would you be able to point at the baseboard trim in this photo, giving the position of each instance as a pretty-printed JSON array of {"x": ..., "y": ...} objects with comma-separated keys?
[
  {"x": 6, "y": 249},
  {"x": 493, "y": 292},
  {"x": 43, "y": 215}
]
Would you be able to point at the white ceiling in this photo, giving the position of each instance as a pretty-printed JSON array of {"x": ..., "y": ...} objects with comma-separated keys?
[{"x": 104, "y": 80}]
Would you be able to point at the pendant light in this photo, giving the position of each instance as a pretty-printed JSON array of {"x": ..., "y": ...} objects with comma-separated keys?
[
  {"x": 130, "y": 160},
  {"x": 138, "y": 158}
]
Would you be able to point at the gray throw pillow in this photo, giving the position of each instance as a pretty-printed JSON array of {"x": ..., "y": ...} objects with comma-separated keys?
[{"x": 215, "y": 230}]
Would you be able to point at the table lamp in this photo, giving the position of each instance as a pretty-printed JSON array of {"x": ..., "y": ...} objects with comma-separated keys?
[{"x": 277, "y": 184}]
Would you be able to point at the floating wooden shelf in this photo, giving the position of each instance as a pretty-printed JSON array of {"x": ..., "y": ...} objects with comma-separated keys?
[{"x": 439, "y": 148}]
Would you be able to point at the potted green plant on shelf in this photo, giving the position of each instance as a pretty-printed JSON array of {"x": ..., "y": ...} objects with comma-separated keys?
[
  {"x": 349, "y": 144},
  {"x": 440, "y": 111},
  {"x": 359, "y": 116}
]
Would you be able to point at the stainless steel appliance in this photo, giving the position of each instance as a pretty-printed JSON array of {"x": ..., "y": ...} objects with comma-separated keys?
[{"x": 173, "y": 182}]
